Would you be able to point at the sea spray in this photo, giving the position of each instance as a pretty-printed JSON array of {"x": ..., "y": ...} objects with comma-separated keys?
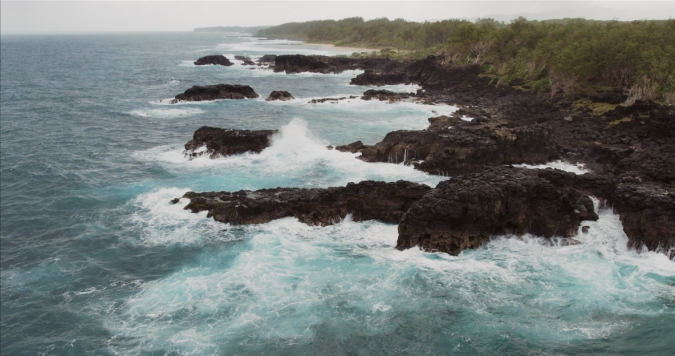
[{"x": 287, "y": 280}]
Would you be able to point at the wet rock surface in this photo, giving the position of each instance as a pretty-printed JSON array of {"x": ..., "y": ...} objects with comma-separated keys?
[
  {"x": 216, "y": 142},
  {"x": 385, "y": 95},
  {"x": 464, "y": 147},
  {"x": 267, "y": 59},
  {"x": 647, "y": 214},
  {"x": 279, "y": 95},
  {"x": 631, "y": 150},
  {"x": 464, "y": 212},
  {"x": 366, "y": 200},
  {"x": 217, "y": 59},
  {"x": 352, "y": 147},
  {"x": 214, "y": 92}
]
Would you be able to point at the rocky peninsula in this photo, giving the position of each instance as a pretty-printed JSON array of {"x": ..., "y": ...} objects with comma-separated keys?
[{"x": 629, "y": 149}]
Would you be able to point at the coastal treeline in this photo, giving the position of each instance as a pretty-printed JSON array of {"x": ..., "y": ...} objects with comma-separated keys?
[{"x": 570, "y": 57}]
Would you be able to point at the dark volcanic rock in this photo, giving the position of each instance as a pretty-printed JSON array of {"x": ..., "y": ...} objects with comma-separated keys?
[
  {"x": 464, "y": 212},
  {"x": 379, "y": 79},
  {"x": 465, "y": 147},
  {"x": 225, "y": 142},
  {"x": 352, "y": 147},
  {"x": 647, "y": 213},
  {"x": 397, "y": 145},
  {"x": 267, "y": 59},
  {"x": 217, "y": 59},
  {"x": 280, "y": 95},
  {"x": 218, "y": 91},
  {"x": 365, "y": 201},
  {"x": 298, "y": 63},
  {"x": 385, "y": 95},
  {"x": 247, "y": 60}
]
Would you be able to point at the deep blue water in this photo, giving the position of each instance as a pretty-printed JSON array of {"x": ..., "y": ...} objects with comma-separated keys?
[{"x": 95, "y": 260}]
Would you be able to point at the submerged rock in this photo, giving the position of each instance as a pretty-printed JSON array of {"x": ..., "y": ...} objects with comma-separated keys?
[
  {"x": 217, "y": 142},
  {"x": 217, "y": 59},
  {"x": 464, "y": 212},
  {"x": 246, "y": 60},
  {"x": 213, "y": 92},
  {"x": 330, "y": 100},
  {"x": 280, "y": 95},
  {"x": 367, "y": 200},
  {"x": 385, "y": 95}
]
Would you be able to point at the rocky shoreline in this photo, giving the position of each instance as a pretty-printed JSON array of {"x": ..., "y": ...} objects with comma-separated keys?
[{"x": 630, "y": 151}]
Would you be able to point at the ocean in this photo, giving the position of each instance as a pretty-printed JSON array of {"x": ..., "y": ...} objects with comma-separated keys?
[{"x": 96, "y": 261}]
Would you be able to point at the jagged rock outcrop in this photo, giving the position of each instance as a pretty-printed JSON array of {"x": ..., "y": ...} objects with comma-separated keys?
[
  {"x": 647, "y": 213},
  {"x": 352, "y": 147},
  {"x": 217, "y": 59},
  {"x": 279, "y": 95},
  {"x": 464, "y": 147},
  {"x": 214, "y": 92},
  {"x": 404, "y": 145},
  {"x": 370, "y": 77},
  {"x": 367, "y": 200},
  {"x": 639, "y": 140},
  {"x": 464, "y": 212},
  {"x": 215, "y": 142},
  {"x": 267, "y": 59}
]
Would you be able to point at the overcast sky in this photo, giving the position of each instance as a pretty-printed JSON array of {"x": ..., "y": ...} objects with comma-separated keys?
[{"x": 105, "y": 16}]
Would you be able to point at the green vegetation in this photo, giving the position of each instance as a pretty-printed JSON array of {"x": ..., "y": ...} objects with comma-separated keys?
[{"x": 572, "y": 57}]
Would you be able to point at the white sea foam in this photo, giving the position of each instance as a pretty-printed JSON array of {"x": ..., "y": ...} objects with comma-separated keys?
[
  {"x": 346, "y": 105},
  {"x": 295, "y": 155},
  {"x": 287, "y": 277},
  {"x": 398, "y": 88},
  {"x": 159, "y": 222},
  {"x": 167, "y": 113},
  {"x": 578, "y": 168}
]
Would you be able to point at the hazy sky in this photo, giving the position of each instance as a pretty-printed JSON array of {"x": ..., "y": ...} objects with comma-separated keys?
[{"x": 97, "y": 16}]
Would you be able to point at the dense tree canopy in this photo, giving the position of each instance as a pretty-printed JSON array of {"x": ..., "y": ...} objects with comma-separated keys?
[{"x": 569, "y": 56}]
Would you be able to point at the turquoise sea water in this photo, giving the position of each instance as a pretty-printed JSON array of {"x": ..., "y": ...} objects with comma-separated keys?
[{"x": 96, "y": 261}]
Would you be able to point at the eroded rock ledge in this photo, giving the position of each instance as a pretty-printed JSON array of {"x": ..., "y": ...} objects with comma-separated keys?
[
  {"x": 216, "y": 142},
  {"x": 453, "y": 146},
  {"x": 366, "y": 200},
  {"x": 647, "y": 214},
  {"x": 214, "y": 92},
  {"x": 464, "y": 212}
]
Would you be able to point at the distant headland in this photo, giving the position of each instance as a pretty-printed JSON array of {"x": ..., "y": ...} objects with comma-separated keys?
[{"x": 253, "y": 29}]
